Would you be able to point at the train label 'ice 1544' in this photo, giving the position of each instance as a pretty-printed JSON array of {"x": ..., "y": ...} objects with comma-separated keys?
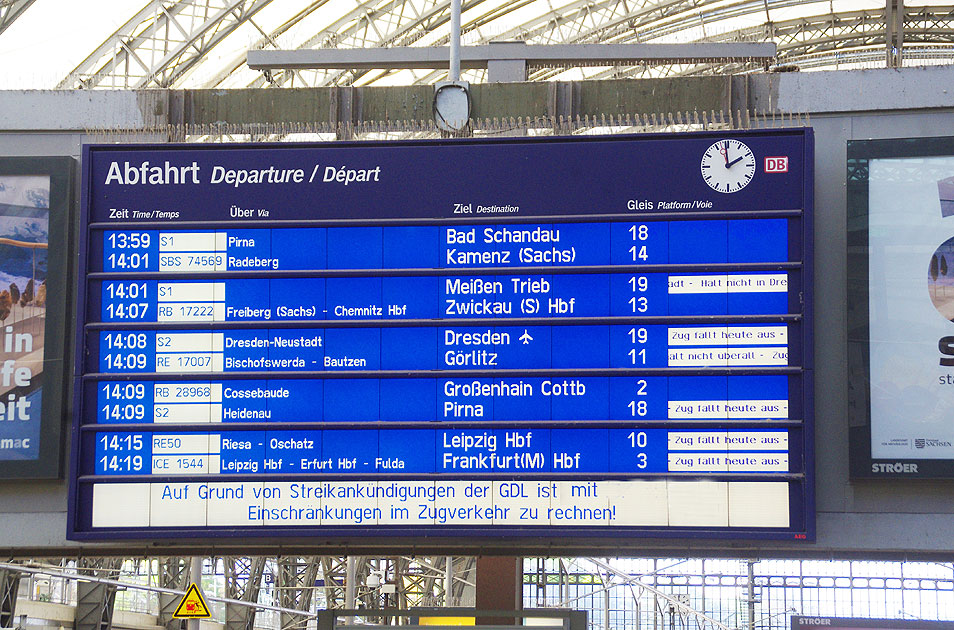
[{"x": 557, "y": 338}]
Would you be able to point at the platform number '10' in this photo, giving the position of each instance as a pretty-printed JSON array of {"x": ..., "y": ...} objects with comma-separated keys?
[{"x": 638, "y": 439}]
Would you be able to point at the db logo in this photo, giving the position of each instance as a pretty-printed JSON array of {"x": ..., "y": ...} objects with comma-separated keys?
[{"x": 778, "y": 164}]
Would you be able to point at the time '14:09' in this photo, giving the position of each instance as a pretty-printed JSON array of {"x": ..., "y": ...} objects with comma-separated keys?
[
  {"x": 123, "y": 413},
  {"x": 125, "y": 361},
  {"x": 124, "y": 391}
]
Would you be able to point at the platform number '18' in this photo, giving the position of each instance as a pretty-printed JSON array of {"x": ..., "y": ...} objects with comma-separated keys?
[
  {"x": 640, "y": 233},
  {"x": 639, "y": 407}
]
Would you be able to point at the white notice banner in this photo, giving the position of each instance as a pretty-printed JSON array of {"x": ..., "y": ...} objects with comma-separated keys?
[{"x": 474, "y": 503}]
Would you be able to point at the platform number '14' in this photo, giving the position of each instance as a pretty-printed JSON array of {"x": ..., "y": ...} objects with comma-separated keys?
[{"x": 640, "y": 234}]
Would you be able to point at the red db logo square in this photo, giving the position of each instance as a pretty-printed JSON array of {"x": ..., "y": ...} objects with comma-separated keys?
[{"x": 778, "y": 164}]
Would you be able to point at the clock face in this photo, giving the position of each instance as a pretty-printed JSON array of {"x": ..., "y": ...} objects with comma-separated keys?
[{"x": 728, "y": 166}]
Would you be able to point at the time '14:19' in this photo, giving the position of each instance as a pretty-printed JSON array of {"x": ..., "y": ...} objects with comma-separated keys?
[{"x": 121, "y": 464}]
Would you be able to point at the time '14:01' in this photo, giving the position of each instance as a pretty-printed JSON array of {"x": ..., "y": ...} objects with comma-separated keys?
[{"x": 132, "y": 260}]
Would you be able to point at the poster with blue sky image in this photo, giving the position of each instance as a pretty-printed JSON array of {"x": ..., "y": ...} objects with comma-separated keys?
[{"x": 24, "y": 240}]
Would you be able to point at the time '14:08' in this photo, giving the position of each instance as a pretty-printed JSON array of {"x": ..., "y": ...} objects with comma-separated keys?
[{"x": 126, "y": 340}]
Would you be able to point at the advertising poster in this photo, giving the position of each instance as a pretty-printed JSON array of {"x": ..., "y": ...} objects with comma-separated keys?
[
  {"x": 909, "y": 299},
  {"x": 24, "y": 244},
  {"x": 34, "y": 207}
]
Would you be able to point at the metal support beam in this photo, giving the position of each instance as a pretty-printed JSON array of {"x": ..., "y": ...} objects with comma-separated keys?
[
  {"x": 296, "y": 581},
  {"x": 454, "y": 54},
  {"x": 243, "y": 579},
  {"x": 563, "y": 101},
  {"x": 343, "y": 114},
  {"x": 420, "y": 57},
  {"x": 750, "y": 595},
  {"x": 10, "y": 11},
  {"x": 95, "y": 600},
  {"x": 506, "y": 70},
  {"x": 464, "y": 588},
  {"x": 894, "y": 32},
  {"x": 9, "y": 586},
  {"x": 173, "y": 574},
  {"x": 334, "y": 573},
  {"x": 449, "y": 582}
]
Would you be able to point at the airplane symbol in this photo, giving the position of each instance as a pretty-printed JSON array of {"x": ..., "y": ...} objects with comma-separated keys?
[{"x": 525, "y": 337}]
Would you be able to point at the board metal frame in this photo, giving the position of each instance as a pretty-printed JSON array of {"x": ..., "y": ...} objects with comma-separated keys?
[{"x": 535, "y": 537}]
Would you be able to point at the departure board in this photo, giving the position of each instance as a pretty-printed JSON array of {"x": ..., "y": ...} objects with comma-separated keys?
[{"x": 559, "y": 338}]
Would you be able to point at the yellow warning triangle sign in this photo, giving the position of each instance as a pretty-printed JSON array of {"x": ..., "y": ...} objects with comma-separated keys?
[{"x": 192, "y": 606}]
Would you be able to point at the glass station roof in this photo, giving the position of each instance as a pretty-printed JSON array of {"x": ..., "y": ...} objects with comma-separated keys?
[{"x": 119, "y": 44}]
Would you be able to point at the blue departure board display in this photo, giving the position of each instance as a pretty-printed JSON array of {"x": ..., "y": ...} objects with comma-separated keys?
[{"x": 563, "y": 338}]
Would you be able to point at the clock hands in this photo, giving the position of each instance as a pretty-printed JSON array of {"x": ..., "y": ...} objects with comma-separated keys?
[{"x": 724, "y": 150}]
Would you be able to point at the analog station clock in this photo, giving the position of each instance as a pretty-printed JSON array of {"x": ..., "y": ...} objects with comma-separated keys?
[{"x": 728, "y": 166}]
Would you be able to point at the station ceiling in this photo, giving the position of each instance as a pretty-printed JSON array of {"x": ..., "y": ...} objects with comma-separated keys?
[{"x": 203, "y": 43}]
